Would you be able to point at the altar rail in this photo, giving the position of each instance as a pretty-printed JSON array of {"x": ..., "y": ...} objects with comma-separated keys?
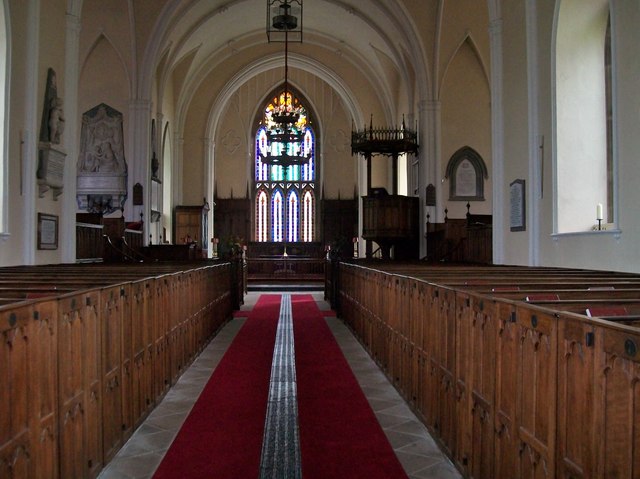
[
  {"x": 511, "y": 389},
  {"x": 286, "y": 268},
  {"x": 87, "y": 352}
]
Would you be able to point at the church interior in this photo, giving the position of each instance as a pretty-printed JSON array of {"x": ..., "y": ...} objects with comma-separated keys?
[{"x": 454, "y": 180}]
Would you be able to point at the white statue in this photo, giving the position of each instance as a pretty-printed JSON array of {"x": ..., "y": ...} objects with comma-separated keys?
[{"x": 56, "y": 120}]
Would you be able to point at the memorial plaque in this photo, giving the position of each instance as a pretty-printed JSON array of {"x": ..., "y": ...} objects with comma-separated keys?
[
  {"x": 466, "y": 185},
  {"x": 47, "y": 231},
  {"x": 431, "y": 195},
  {"x": 466, "y": 171},
  {"x": 50, "y": 172},
  {"x": 101, "y": 178},
  {"x": 517, "y": 206}
]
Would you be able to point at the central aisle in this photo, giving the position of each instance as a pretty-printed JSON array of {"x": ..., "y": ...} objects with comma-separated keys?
[
  {"x": 141, "y": 456},
  {"x": 339, "y": 435},
  {"x": 222, "y": 436}
]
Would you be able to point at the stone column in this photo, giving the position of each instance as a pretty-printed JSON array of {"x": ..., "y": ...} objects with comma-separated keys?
[
  {"x": 209, "y": 172},
  {"x": 536, "y": 145},
  {"x": 29, "y": 134},
  {"x": 70, "y": 140},
  {"x": 139, "y": 160},
  {"x": 176, "y": 169},
  {"x": 430, "y": 169},
  {"x": 497, "y": 140}
]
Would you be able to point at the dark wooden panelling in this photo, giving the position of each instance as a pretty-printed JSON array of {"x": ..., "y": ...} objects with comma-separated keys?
[
  {"x": 232, "y": 219},
  {"x": 339, "y": 220}
]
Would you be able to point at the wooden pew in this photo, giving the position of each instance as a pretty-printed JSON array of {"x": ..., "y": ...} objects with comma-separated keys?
[
  {"x": 510, "y": 388},
  {"x": 81, "y": 367}
]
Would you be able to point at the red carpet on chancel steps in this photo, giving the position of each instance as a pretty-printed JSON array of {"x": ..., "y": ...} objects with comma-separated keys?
[{"x": 339, "y": 434}]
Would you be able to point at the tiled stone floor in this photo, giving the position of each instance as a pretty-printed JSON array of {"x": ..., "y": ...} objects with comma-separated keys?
[{"x": 417, "y": 451}]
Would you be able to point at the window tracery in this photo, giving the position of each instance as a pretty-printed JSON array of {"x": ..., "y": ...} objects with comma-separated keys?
[{"x": 284, "y": 196}]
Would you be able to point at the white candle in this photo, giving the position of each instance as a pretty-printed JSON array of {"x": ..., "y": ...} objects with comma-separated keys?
[{"x": 599, "y": 215}]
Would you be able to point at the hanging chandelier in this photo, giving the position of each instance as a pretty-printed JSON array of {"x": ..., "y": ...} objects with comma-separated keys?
[{"x": 286, "y": 118}]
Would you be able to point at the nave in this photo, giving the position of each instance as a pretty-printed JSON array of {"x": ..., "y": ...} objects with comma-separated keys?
[{"x": 413, "y": 447}]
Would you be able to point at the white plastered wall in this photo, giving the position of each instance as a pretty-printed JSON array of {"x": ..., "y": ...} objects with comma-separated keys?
[{"x": 609, "y": 250}]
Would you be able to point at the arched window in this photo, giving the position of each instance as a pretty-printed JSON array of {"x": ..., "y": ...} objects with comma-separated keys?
[
  {"x": 285, "y": 196},
  {"x": 262, "y": 225},
  {"x": 308, "y": 211},
  {"x": 277, "y": 215},
  {"x": 293, "y": 216},
  {"x": 583, "y": 135}
]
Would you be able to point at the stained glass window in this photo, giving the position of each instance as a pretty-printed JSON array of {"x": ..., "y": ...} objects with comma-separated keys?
[
  {"x": 277, "y": 217},
  {"x": 284, "y": 196},
  {"x": 262, "y": 225},
  {"x": 292, "y": 216},
  {"x": 308, "y": 208}
]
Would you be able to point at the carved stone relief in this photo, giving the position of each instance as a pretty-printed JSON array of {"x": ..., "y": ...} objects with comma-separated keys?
[
  {"x": 231, "y": 141},
  {"x": 101, "y": 169},
  {"x": 340, "y": 141}
]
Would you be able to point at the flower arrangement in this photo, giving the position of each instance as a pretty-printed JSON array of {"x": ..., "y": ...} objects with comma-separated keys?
[{"x": 232, "y": 247}]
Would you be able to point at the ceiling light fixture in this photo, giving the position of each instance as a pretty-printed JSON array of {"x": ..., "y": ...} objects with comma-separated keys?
[{"x": 285, "y": 118}]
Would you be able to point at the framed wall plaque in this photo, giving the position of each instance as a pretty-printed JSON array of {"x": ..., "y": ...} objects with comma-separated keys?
[
  {"x": 47, "y": 231},
  {"x": 517, "y": 212},
  {"x": 466, "y": 172},
  {"x": 430, "y": 195}
]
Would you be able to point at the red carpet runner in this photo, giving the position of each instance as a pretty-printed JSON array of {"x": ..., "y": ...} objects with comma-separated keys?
[
  {"x": 339, "y": 434},
  {"x": 222, "y": 436}
]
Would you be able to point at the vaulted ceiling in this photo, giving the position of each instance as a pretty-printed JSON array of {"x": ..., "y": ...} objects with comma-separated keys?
[{"x": 375, "y": 37}]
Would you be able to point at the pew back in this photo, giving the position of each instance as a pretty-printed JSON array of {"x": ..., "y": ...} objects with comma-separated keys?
[
  {"x": 510, "y": 388},
  {"x": 87, "y": 357}
]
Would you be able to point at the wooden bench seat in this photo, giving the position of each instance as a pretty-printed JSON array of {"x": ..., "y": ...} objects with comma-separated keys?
[
  {"x": 87, "y": 351},
  {"x": 604, "y": 311},
  {"x": 509, "y": 388},
  {"x": 580, "y": 305},
  {"x": 530, "y": 298},
  {"x": 618, "y": 314},
  {"x": 561, "y": 293}
]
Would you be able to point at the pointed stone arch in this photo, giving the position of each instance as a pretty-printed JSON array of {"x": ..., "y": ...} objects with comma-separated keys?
[
  {"x": 101, "y": 38},
  {"x": 466, "y": 42}
]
